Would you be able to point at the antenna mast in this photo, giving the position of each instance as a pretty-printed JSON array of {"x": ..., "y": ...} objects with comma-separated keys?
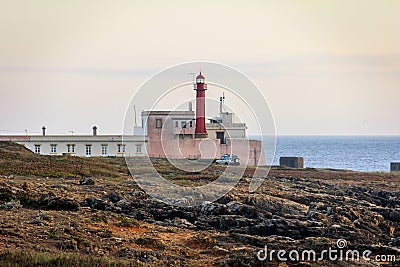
[
  {"x": 134, "y": 109},
  {"x": 193, "y": 74},
  {"x": 221, "y": 101}
]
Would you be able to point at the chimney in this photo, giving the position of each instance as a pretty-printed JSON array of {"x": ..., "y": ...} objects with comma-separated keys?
[
  {"x": 94, "y": 130},
  {"x": 44, "y": 131}
]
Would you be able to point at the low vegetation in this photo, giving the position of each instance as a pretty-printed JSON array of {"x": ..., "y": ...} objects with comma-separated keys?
[
  {"x": 45, "y": 259},
  {"x": 17, "y": 160}
]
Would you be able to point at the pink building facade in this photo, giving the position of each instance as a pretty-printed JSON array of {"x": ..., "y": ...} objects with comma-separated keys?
[{"x": 172, "y": 134}]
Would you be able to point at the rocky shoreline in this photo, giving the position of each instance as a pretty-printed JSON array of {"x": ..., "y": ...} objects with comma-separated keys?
[{"x": 113, "y": 218}]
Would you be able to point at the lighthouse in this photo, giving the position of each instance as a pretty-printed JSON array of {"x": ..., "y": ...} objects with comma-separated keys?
[{"x": 200, "y": 87}]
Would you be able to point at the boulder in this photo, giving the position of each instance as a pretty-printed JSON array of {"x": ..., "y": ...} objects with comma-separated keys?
[
  {"x": 114, "y": 197},
  {"x": 96, "y": 203},
  {"x": 59, "y": 203},
  {"x": 11, "y": 205},
  {"x": 394, "y": 216},
  {"x": 86, "y": 181}
]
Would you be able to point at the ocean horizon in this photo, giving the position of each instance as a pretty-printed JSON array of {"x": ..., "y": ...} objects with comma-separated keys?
[{"x": 348, "y": 152}]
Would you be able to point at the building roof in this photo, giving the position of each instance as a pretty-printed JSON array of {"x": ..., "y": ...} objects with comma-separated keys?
[
  {"x": 73, "y": 138},
  {"x": 168, "y": 113}
]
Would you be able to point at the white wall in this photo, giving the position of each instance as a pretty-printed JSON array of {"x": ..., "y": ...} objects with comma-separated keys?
[{"x": 80, "y": 142}]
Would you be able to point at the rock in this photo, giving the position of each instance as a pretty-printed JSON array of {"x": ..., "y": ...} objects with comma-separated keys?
[
  {"x": 184, "y": 201},
  {"x": 43, "y": 216},
  {"x": 230, "y": 222},
  {"x": 68, "y": 245},
  {"x": 242, "y": 209},
  {"x": 214, "y": 209},
  {"x": 123, "y": 205},
  {"x": 219, "y": 251},
  {"x": 59, "y": 203},
  {"x": 182, "y": 223},
  {"x": 146, "y": 256},
  {"x": 261, "y": 229},
  {"x": 312, "y": 223},
  {"x": 394, "y": 216},
  {"x": 395, "y": 241},
  {"x": 11, "y": 205},
  {"x": 41, "y": 219},
  {"x": 96, "y": 203},
  {"x": 6, "y": 193},
  {"x": 86, "y": 181},
  {"x": 26, "y": 186},
  {"x": 114, "y": 197},
  {"x": 275, "y": 205}
]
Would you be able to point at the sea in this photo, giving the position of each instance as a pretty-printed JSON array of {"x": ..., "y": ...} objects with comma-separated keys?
[{"x": 358, "y": 153}]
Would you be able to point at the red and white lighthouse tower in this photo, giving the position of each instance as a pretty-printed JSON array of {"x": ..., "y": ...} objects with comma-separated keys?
[{"x": 200, "y": 88}]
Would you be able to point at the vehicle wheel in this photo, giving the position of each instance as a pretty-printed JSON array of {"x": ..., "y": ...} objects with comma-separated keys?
[{"x": 226, "y": 163}]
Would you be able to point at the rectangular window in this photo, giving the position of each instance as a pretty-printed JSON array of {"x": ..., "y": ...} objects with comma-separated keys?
[
  {"x": 176, "y": 124},
  {"x": 183, "y": 124},
  {"x": 158, "y": 123},
  {"x": 190, "y": 123},
  {"x": 121, "y": 148},
  {"x": 104, "y": 150},
  {"x": 53, "y": 148},
  {"x": 71, "y": 148},
  {"x": 37, "y": 149},
  {"x": 88, "y": 150},
  {"x": 138, "y": 148}
]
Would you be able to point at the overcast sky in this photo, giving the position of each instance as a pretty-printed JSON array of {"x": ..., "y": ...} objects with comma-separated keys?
[{"x": 325, "y": 67}]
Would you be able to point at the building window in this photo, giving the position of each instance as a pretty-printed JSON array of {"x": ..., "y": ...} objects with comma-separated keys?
[
  {"x": 158, "y": 123},
  {"x": 138, "y": 148},
  {"x": 88, "y": 150},
  {"x": 176, "y": 124},
  {"x": 37, "y": 149},
  {"x": 71, "y": 148},
  {"x": 190, "y": 123},
  {"x": 104, "y": 150},
  {"x": 183, "y": 124},
  {"x": 53, "y": 148},
  {"x": 121, "y": 148}
]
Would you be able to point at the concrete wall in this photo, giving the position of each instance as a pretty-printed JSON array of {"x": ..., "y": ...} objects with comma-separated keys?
[
  {"x": 395, "y": 166},
  {"x": 292, "y": 162},
  {"x": 250, "y": 152},
  {"x": 80, "y": 142},
  {"x": 232, "y": 132},
  {"x": 165, "y": 140}
]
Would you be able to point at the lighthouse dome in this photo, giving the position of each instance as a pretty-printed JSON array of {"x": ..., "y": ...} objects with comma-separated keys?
[{"x": 200, "y": 78}]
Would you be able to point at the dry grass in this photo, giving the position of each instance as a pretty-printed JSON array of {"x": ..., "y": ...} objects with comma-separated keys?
[
  {"x": 44, "y": 259},
  {"x": 17, "y": 160}
]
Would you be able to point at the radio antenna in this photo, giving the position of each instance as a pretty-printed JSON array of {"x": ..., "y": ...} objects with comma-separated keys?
[
  {"x": 221, "y": 101},
  {"x": 134, "y": 110},
  {"x": 192, "y": 73}
]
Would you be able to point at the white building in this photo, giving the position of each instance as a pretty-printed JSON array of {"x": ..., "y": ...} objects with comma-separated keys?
[{"x": 83, "y": 145}]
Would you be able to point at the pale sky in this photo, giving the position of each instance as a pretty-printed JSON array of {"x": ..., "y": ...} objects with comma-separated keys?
[{"x": 325, "y": 67}]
